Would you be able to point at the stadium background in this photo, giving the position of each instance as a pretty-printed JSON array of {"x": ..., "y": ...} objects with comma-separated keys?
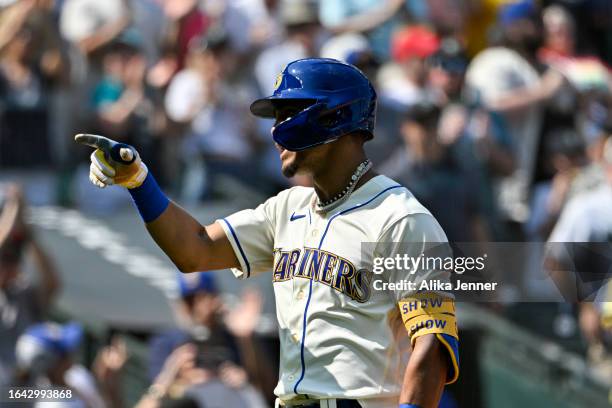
[{"x": 518, "y": 93}]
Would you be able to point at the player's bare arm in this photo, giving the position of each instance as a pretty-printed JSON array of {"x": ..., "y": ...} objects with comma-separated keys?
[
  {"x": 191, "y": 246},
  {"x": 429, "y": 318},
  {"x": 424, "y": 377}
]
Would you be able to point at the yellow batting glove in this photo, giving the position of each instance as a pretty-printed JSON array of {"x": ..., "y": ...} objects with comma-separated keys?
[{"x": 113, "y": 162}]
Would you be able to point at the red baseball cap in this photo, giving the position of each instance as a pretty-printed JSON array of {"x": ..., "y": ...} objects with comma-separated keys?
[{"x": 414, "y": 41}]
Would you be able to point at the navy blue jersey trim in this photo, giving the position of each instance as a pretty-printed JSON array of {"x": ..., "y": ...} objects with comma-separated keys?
[{"x": 246, "y": 261}]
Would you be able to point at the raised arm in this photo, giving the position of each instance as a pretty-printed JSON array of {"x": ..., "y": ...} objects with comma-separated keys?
[{"x": 190, "y": 245}]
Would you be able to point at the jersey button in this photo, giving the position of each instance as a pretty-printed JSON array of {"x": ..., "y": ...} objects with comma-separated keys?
[
  {"x": 295, "y": 338},
  {"x": 291, "y": 378},
  {"x": 300, "y": 294},
  {"x": 315, "y": 232}
]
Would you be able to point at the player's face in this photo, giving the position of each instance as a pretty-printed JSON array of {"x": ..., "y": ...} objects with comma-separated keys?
[
  {"x": 307, "y": 162},
  {"x": 292, "y": 163},
  {"x": 303, "y": 162}
]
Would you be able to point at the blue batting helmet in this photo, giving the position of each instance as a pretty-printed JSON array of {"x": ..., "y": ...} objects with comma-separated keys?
[{"x": 337, "y": 99}]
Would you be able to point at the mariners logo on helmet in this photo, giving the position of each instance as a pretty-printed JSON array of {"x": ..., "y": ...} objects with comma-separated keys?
[
  {"x": 278, "y": 81},
  {"x": 340, "y": 100}
]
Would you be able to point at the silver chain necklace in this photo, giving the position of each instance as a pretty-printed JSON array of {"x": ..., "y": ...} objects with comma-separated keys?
[{"x": 342, "y": 196}]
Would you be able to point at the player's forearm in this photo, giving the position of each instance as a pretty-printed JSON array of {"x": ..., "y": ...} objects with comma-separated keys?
[
  {"x": 189, "y": 245},
  {"x": 183, "y": 239},
  {"x": 425, "y": 374}
]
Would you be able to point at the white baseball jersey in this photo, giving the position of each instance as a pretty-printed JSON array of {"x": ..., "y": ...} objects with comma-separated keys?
[{"x": 335, "y": 329}]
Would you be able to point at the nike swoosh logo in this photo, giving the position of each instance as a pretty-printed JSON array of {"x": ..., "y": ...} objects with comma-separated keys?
[{"x": 295, "y": 217}]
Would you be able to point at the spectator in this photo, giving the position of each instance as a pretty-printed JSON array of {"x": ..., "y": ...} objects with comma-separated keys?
[
  {"x": 505, "y": 79},
  {"x": 583, "y": 219},
  {"x": 221, "y": 346},
  {"x": 38, "y": 17},
  {"x": 123, "y": 108},
  {"x": 46, "y": 56},
  {"x": 107, "y": 368},
  {"x": 578, "y": 259},
  {"x": 426, "y": 166},
  {"x": 404, "y": 83},
  {"x": 302, "y": 26},
  {"x": 574, "y": 176},
  {"x": 183, "y": 21},
  {"x": 187, "y": 378},
  {"x": 586, "y": 74},
  {"x": 198, "y": 313},
  {"x": 24, "y": 99},
  {"x": 560, "y": 50},
  {"x": 447, "y": 68},
  {"x": 252, "y": 24},
  {"x": 22, "y": 302},
  {"x": 91, "y": 24},
  {"x": 376, "y": 19},
  {"x": 45, "y": 356},
  {"x": 476, "y": 136},
  {"x": 187, "y": 22},
  {"x": 210, "y": 102},
  {"x": 596, "y": 135},
  {"x": 353, "y": 49},
  {"x": 559, "y": 34},
  {"x": 149, "y": 20},
  {"x": 120, "y": 99}
]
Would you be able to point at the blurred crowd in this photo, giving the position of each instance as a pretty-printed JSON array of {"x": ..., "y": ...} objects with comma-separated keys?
[
  {"x": 211, "y": 354},
  {"x": 517, "y": 91},
  {"x": 496, "y": 114}
]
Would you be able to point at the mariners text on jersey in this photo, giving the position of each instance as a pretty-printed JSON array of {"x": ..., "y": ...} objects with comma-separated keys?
[{"x": 325, "y": 267}]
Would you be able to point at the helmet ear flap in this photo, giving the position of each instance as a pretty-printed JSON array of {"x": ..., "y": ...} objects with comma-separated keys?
[
  {"x": 292, "y": 133},
  {"x": 335, "y": 117}
]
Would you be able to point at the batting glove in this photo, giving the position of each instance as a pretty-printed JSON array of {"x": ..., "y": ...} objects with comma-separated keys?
[{"x": 113, "y": 162}]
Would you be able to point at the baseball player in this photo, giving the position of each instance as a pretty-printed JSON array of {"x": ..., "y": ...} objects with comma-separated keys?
[{"x": 338, "y": 343}]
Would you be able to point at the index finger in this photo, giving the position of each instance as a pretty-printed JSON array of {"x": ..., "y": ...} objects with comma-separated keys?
[{"x": 95, "y": 141}]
